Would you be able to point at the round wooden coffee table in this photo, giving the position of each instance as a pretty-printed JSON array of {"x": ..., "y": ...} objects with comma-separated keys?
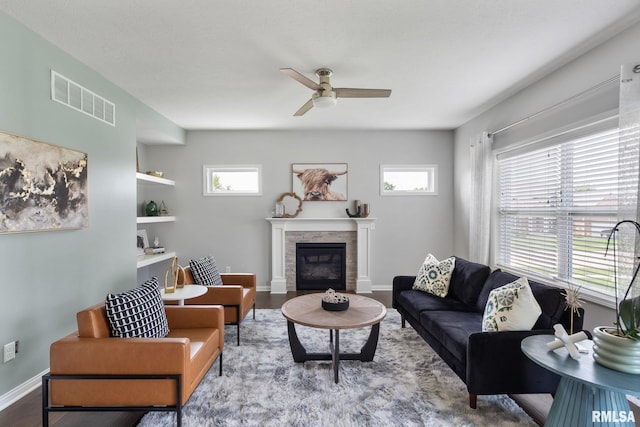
[{"x": 307, "y": 310}]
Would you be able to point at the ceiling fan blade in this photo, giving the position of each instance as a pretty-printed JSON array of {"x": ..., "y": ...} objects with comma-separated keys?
[
  {"x": 345, "y": 92},
  {"x": 301, "y": 78},
  {"x": 306, "y": 107}
]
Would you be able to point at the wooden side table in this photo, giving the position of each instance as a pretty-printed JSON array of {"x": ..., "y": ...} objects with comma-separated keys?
[{"x": 588, "y": 394}]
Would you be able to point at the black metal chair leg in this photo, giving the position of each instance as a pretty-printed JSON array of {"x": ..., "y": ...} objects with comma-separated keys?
[{"x": 45, "y": 401}]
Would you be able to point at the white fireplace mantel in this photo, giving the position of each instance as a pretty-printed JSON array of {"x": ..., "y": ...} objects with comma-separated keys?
[{"x": 362, "y": 227}]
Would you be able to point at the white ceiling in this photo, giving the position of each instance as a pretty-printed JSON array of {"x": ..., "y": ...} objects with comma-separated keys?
[{"x": 214, "y": 64}]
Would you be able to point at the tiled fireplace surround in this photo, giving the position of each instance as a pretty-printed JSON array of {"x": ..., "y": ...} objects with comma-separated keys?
[{"x": 286, "y": 232}]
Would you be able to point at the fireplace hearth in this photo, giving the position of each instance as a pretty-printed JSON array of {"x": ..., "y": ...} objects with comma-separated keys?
[{"x": 320, "y": 266}]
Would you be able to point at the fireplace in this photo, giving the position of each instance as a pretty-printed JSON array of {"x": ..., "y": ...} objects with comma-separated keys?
[
  {"x": 286, "y": 232},
  {"x": 320, "y": 266}
]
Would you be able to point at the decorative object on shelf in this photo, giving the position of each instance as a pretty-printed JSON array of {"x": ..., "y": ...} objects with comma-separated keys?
[
  {"x": 174, "y": 277},
  {"x": 333, "y": 301},
  {"x": 151, "y": 209},
  {"x": 619, "y": 348},
  {"x": 142, "y": 241},
  {"x": 573, "y": 302},
  {"x": 290, "y": 203},
  {"x": 157, "y": 174},
  {"x": 361, "y": 210},
  {"x": 365, "y": 210},
  {"x": 156, "y": 249},
  {"x": 566, "y": 340},
  {"x": 320, "y": 182},
  {"x": 279, "y": 211},
  {"x": 357, "y": 208},
  {"x": 44, "y": 186},
  {"x": 163, "y": 209}
]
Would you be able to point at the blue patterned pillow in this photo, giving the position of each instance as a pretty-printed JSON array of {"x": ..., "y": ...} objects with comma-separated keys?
[
  {"x": 511, "y": 307},
  {"x": 434, "y": 276},
  {"x": 138, "y": 313},
  {"x": 205, "y": 271}
]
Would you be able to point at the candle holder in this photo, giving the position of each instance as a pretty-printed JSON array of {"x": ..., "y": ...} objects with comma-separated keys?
[{"x": 357, "y": 208}]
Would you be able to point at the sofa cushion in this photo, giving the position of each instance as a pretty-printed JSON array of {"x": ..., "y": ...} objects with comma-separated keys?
[
  {"x": 137, "y": 313},
  {"x": 552, "y": 302},
  {"x": 452, "y": 329},
  {"x": 434, "y": 276},
  {"x": 415, "y": 302},
  {"x": 205, "y": 271},
  {"x": 496, "y": 279},
  {"x": 511, "y": 307},
  {"x": 467, "y": 280}
]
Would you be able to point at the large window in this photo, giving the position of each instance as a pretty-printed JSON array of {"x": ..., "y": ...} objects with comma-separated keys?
[{"x": 557, "y": 206}]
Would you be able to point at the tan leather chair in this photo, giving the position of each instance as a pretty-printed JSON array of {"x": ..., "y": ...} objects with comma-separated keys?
[
  {"x": 92, "y": 371},
  {"x": 237, "y": 295}
]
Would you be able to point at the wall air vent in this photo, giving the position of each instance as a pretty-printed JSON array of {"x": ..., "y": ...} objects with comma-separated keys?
[{"x": 79, "y": 98}]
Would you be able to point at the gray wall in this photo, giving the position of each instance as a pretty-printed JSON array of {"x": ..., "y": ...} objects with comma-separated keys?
[
  {"x": 587, "y": 71},
  {"x": 234, "y": 229},
  {"x": 48, "y": 276}
]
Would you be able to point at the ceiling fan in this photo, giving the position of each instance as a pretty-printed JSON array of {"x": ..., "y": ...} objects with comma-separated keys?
[{"x": 325, "y": 95}]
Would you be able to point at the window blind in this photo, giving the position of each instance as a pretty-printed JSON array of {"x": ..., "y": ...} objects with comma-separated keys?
[{"x": 557, "y": 205}]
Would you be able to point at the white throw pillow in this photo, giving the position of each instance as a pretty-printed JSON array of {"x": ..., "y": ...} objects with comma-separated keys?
[
  {"x": 434, "y": 276},
  {"x": 511, "y": 307}
]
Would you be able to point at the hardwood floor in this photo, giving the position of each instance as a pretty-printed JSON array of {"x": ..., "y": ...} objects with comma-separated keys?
[{"x": 27, "y": 411}]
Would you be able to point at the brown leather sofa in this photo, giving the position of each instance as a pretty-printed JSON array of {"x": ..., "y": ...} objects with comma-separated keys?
[
  {"x": 91, "y": 369},
  {"x": 237, "y": 295}
]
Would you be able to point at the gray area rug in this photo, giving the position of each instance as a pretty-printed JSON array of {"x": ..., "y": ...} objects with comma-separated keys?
[{"x": 407, "y": 384}]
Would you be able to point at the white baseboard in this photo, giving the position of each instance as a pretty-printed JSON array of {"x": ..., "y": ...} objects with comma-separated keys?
[
  {"x": 21, "y": 391},
  {"x": 382, "y": 288}
]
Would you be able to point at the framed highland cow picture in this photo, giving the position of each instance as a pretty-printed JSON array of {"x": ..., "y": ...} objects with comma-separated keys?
[
  {"x": 42, "y": 186},
  {"x": 319, "y": 181}
]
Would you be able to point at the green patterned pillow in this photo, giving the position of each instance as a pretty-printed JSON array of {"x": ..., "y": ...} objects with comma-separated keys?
[
  {"x": 511, "y": 307},
  {"x": 434, "y": 276}
]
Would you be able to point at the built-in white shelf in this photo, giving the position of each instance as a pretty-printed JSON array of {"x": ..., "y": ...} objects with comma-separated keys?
[
  {"x": 154, "y": 219},
  {"x": 144, "y": 180},
  {"x": 153, "y": 179},
  {"x": 145, "y": 260}
]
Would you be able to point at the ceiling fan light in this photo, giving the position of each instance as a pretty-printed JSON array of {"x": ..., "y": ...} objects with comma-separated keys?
[{"x": 325, "y": 101}]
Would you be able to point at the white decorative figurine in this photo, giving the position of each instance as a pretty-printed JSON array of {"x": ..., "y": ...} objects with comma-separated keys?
[{"x": 569, "y": 341}]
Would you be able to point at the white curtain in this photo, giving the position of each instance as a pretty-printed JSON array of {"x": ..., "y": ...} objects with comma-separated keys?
[
  {"x": 629, "y": 169},
  {"x": 481, "y": 191}
]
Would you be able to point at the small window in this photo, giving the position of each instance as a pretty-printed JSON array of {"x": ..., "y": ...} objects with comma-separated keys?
[
  {"x": 232, "y": 180},
  {"x": 408, "y": 180}
]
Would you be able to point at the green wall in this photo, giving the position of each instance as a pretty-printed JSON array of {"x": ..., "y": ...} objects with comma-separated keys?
[{"x": 46, "y": 277}]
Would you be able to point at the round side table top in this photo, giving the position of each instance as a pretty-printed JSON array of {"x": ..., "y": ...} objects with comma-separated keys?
[
  {"x": 189, "y": 291},
  {"x": 307, "y": 310},
  {"x": 585, "y": 370}
]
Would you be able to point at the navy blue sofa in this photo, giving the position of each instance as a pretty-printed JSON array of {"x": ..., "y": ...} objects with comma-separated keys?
[{"x": 487, "y": 362}]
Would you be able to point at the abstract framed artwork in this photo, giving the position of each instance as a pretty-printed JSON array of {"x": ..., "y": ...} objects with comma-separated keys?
[
  {"x": 320, "y": 181},
  {"x": 43, "y": 187}
]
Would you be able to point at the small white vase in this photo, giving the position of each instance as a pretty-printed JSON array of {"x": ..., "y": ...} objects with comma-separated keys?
[{"x": 615, "y": 352}]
